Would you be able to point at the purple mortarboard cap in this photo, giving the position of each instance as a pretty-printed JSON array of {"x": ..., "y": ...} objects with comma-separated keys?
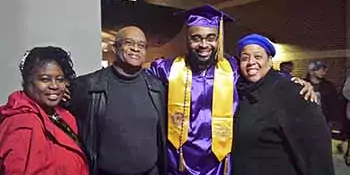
[{"x": 205, "y": 16}]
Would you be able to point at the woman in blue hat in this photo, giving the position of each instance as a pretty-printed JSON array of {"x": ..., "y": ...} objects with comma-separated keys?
[{"x": 276, "y": 130}]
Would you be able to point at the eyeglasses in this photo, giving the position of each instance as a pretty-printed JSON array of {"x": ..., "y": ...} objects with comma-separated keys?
[
  {"x": 199, "y": 38},
  {"x": 142, "y": 45}
]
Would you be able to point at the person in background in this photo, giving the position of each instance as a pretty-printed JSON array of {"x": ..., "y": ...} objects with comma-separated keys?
[
  {"x": 276, "y": 131},
  {"x": 286, "y": 69},
  {"x": 202, "y": 97},
  {"x": 346, "y": 123},
  {"x": 346, "y": 94},
  {"x": 325, "y": 90},
  {"x": 121, "y": 112},
  {"x": 37, "y": 136}
]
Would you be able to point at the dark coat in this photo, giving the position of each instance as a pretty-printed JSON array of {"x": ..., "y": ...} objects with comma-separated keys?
[
  {"x": 277, "y": 132},
  {"x": 332, "y": 106},
  {"x": 88, "y": 103}
]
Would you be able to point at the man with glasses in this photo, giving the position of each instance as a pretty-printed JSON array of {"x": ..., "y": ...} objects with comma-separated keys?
[
  {"x": 121, "y": 112},
  {"x": 202, "y": 97}
]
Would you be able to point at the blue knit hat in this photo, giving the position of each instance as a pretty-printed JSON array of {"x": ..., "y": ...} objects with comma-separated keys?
[{"x": 259, "y": 40}]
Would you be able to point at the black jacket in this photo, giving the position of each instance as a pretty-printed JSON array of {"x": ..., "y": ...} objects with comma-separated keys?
[
  {"x": 89, "y": 94},
  {"x": 277, "y": 132},
  {"x": 331, "y": 104}
]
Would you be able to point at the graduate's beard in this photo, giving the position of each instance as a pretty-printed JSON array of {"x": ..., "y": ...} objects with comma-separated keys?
[{"x": 197, "y": 63}]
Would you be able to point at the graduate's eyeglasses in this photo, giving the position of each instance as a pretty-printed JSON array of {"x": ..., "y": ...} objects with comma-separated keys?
[
  {"x": 142, "y": 45},
  {"x": 199, "y": 38}
]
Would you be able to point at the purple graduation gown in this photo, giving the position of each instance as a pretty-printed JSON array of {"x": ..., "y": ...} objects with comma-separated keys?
[{"x": 199, "y": 159}]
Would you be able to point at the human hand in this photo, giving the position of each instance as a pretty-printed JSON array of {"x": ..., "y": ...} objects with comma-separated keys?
[
  {"x": 66, "y": 95},
  {"x": 307, "y": 90}
]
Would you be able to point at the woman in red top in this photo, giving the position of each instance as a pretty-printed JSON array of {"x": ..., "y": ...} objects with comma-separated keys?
[{"x": 37, "y": 136}]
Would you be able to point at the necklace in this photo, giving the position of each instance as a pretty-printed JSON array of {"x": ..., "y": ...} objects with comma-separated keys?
[
  {"x": 60, "y": 123},
  {"x": 182, "y": 160}
]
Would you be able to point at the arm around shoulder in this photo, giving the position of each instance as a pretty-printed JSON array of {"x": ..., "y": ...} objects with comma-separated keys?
[
  {"x": 78, "y": 96},
  {"x": 160, "y": 69}
]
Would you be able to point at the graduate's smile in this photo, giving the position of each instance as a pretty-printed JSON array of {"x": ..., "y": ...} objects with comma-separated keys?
[
  {"x": 204, "y": 53},
  {"x": 202, "y": 41}
]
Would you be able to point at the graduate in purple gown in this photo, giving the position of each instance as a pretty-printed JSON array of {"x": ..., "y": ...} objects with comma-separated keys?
[{"x": 201, "y": 97}]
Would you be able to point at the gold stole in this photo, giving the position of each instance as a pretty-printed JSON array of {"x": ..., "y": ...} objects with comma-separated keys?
[{"x": 179, "y": 105}]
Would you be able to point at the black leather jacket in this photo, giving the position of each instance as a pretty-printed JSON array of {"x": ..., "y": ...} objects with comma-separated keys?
[{"x": 89, "y": 94}]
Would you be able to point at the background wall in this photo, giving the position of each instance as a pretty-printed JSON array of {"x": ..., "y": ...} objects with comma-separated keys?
[
  {"x": 304, "y": 31},
  {"x": 74, "y": 25},
  {"x": 347, "y": 22}
]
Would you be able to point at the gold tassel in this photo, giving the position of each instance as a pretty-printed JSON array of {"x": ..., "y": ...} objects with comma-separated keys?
[
  {"x": 221, "y": 39},
  {"x": 181, "y": 162},
  {"x": 226, "y": 166}
]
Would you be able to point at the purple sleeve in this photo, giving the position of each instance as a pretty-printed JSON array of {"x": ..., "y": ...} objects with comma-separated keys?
[
  {"x": 161, "y": 69},
  {"x": 235, "y": 68}
]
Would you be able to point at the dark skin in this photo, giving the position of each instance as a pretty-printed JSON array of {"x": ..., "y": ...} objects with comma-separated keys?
[
  {"x": 202, "y": 41},
  {"x": 255, "y": 63},
  {"x": 287, "y": 68},
  {"x": 202, "y": 44},
  {"x": 130, "y": 52},
  {"x": 47, "y": 87}
]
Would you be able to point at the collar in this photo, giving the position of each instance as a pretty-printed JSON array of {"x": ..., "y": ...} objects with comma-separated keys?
[
  {"x": 99, "y": 82},
  {"x": 246, "y": 89}
]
